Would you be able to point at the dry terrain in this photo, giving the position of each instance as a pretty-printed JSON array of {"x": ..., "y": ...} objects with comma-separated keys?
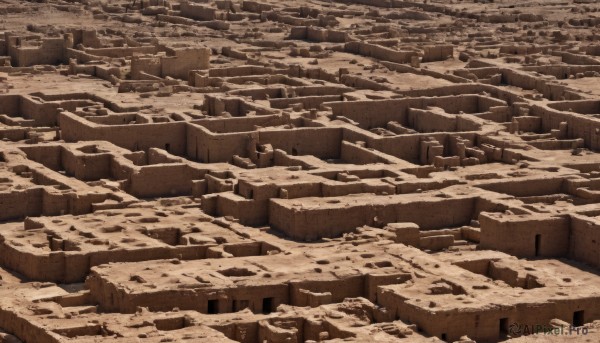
[{"x": 278, "y": 171}]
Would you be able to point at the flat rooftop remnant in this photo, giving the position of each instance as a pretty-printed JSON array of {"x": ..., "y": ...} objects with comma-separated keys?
[{"x": 304, "y": 171}]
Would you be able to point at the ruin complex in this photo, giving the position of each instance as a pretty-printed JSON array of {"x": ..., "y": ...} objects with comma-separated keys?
[{"x": 274, "y": 171}]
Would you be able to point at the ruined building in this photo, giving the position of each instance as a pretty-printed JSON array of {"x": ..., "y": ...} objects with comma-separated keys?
[{"x": 299, "y": 171}]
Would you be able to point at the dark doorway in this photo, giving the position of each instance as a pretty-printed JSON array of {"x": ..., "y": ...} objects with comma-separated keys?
[
  {"x": 444, "y": 337},
  {"x": 578, "y": 319},
  {"x": 167, "y": 147},
  {"x": 213, "y": 307},
  {"x": 503, "y": 327},
  {"x": 538, "y": 241},
  {"x": 267, "y": 305}
]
